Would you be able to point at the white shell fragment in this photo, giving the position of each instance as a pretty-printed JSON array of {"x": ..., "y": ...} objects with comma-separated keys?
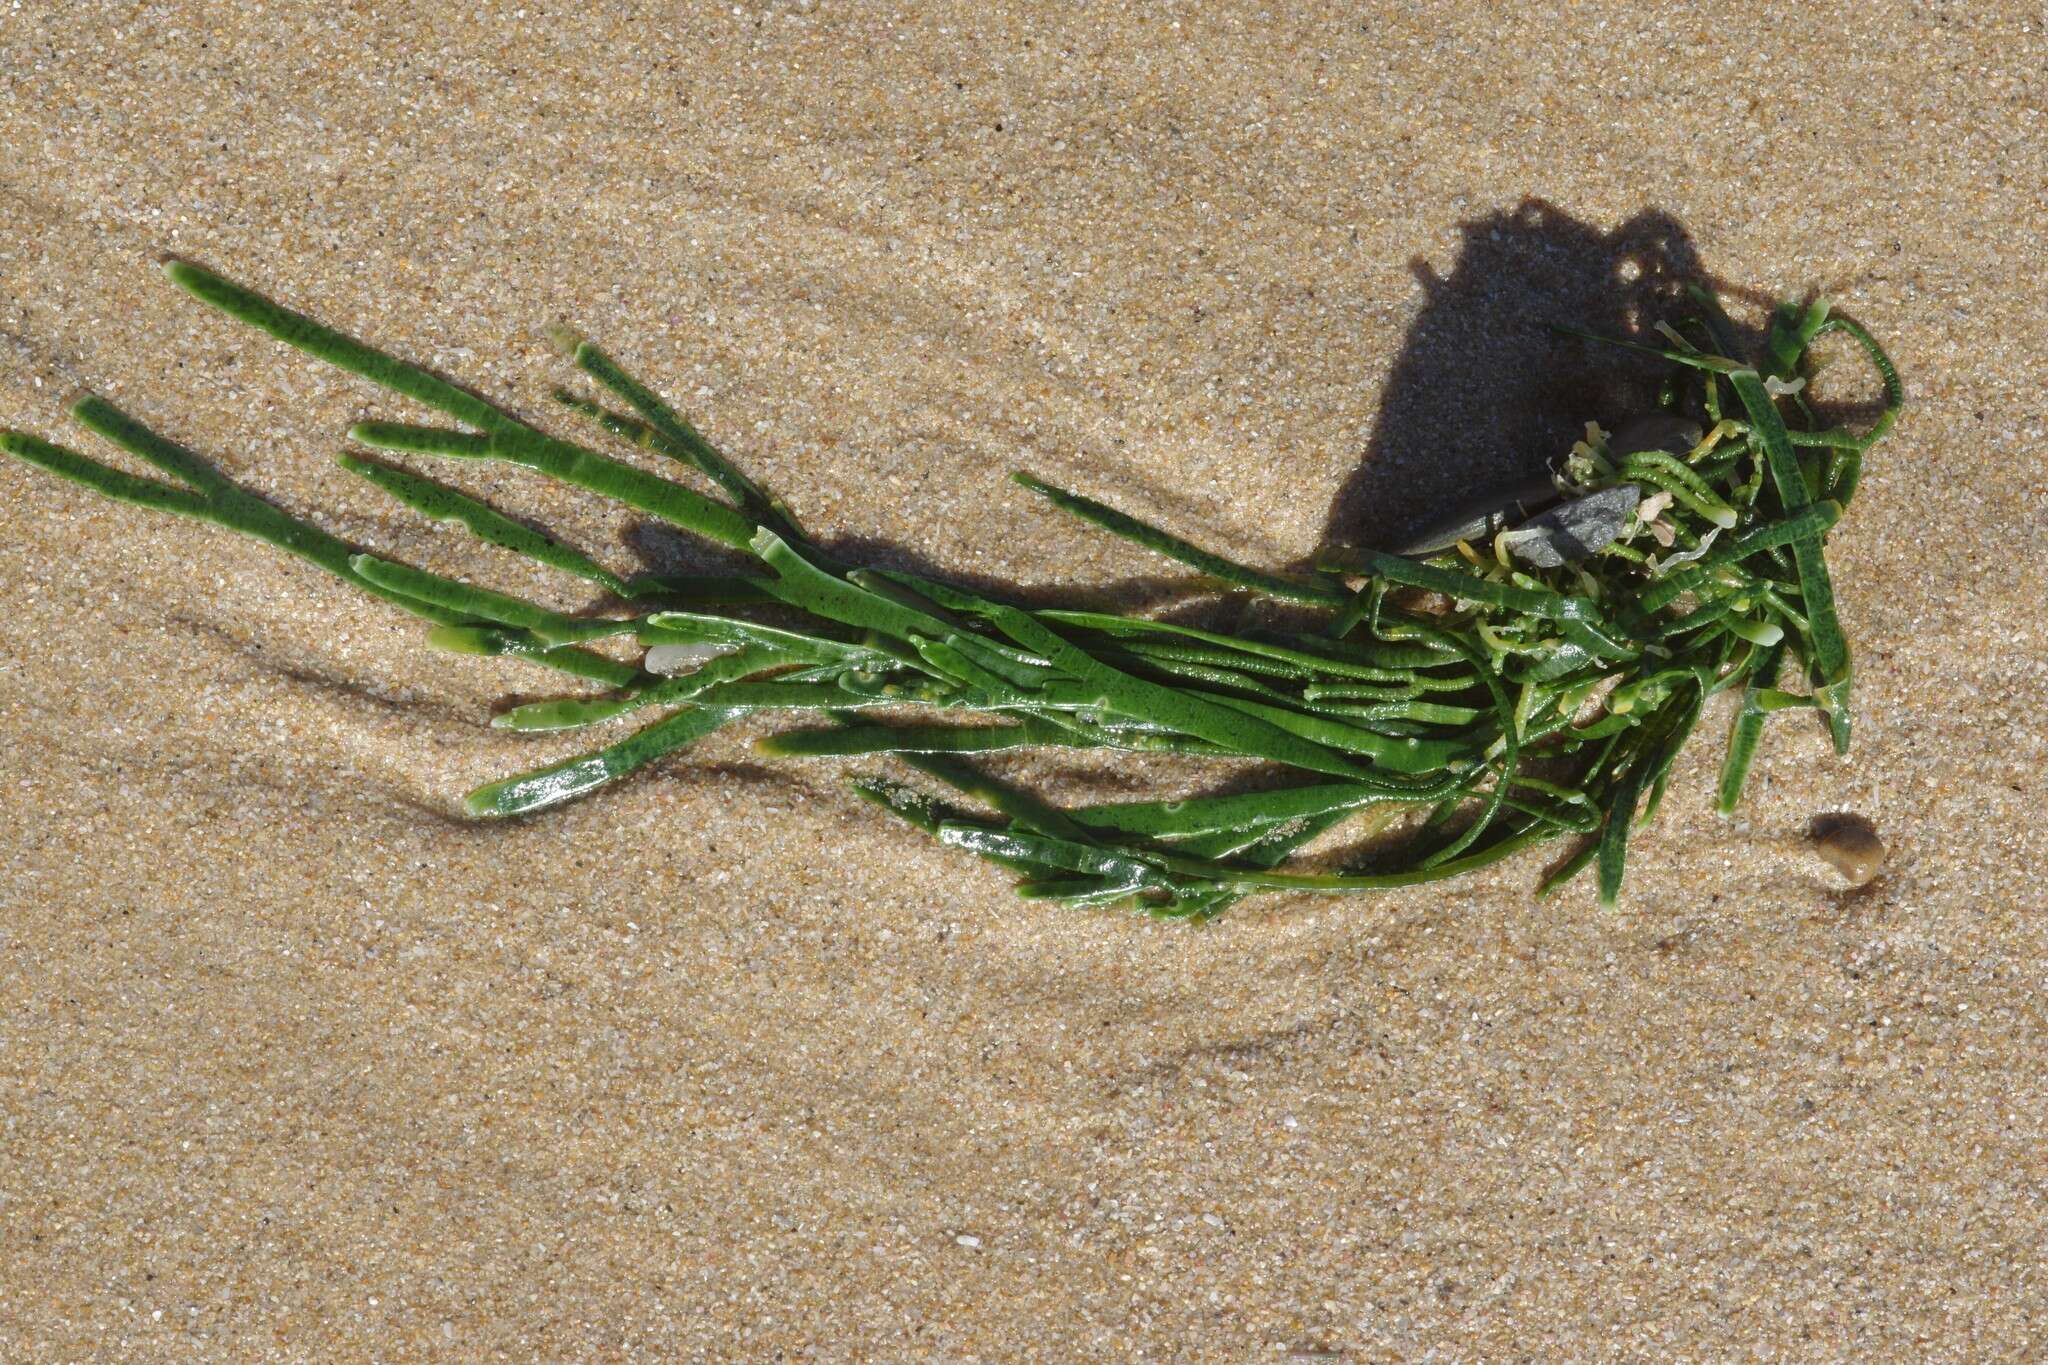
[
  {"x": 1574, "y": 530},
  {"x": 1672, "y": 561},
  {"x": 674, "y": 659}
]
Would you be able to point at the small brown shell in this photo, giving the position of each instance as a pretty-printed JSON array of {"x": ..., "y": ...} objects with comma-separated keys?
[{"x": 1848, "y": 843}]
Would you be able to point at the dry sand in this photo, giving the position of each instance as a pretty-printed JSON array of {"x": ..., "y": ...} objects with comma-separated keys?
[{"x": 295, "y": 1064}]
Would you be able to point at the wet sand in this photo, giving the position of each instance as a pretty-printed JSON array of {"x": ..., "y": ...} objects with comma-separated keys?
[{"x": 297, "y": 1063}]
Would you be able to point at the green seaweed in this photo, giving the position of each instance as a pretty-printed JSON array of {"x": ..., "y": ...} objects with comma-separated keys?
[{"x": 1371, "y": 710}]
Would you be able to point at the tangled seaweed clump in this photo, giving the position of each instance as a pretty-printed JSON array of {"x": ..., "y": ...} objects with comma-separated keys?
[{"x": 1512, "y": 680}]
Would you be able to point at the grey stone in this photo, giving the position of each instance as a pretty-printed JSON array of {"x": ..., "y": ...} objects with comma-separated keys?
[{"x": 1576, "y": 529}]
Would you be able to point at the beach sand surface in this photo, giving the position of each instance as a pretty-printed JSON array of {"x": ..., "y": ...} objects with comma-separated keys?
[{"x": 299, "y": 1063}]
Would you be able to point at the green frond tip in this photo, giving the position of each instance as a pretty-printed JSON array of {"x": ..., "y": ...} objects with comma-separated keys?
[
  {"x": 439, "y": 502},
  {"x": 1165, "y": 543},
  {"x": 564, "y": 338},
  {"x": 579, "y": 777},
  {"x": 324, "y": 343}
]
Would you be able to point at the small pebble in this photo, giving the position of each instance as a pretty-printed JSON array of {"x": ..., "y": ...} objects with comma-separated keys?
[
  {"x": 1574, "y": 530},
  {"x": 1421, "y": 602},
  {"x": 1849, "y": 844}
]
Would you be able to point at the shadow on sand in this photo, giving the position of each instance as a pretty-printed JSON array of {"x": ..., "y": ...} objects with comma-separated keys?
[{"x": 1483, "y": 393}]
